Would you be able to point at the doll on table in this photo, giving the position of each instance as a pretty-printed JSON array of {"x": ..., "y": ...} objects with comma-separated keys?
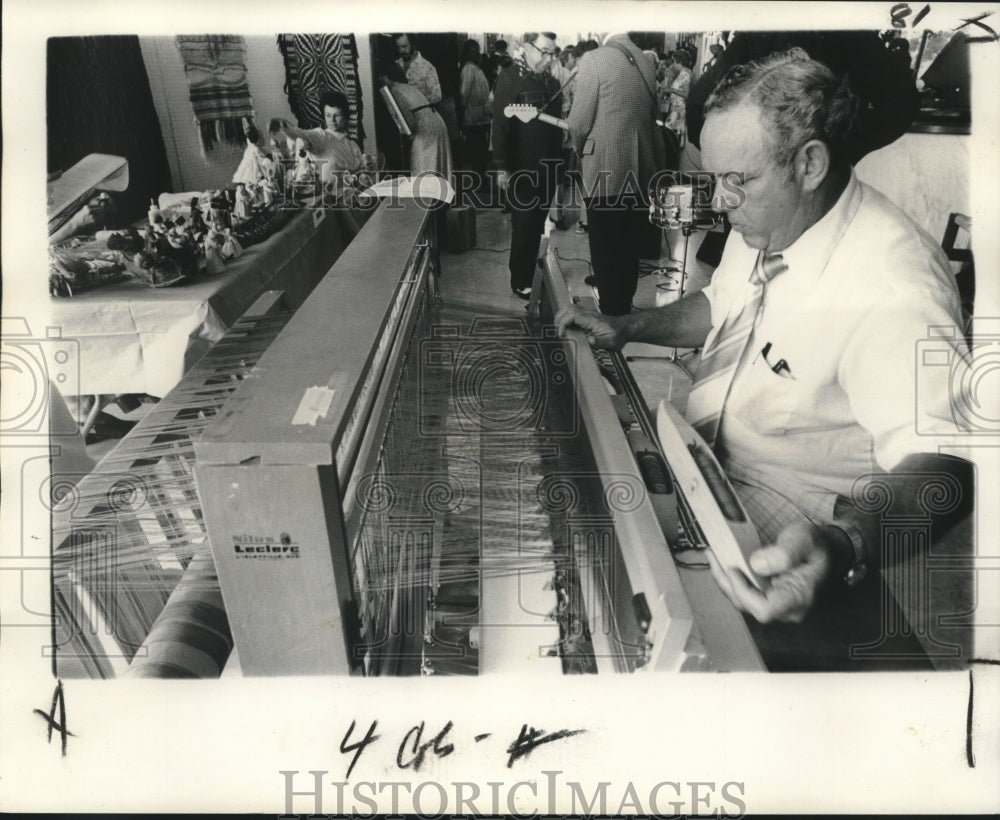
[
  {"x": 269, "y": 190},
  {"x": 213, "y": 256},
  {"x": 177, "y": 235},
  {"x": 231, "y": 248},
  {"x": 198, "y": 228},
  {"x": 243, "y": 203}
]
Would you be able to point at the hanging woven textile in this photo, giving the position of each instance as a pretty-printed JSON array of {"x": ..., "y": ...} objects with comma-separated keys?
[
  {"x": 215, "y": 65},
  {"x": 314, "y": 64}
]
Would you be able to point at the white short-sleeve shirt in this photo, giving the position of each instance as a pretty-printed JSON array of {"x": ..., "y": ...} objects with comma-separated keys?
[{"x": 865, "y": 289}]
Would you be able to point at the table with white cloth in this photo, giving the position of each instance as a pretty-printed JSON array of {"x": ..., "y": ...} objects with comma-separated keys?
[{"x": 134, "y": 339}]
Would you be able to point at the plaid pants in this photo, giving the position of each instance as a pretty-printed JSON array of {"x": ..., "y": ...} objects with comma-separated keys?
[{"x": 773, "y": 499}]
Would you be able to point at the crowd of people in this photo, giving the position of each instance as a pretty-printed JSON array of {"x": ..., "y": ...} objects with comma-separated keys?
[
  {"x": 805, "y": 232},
  {"x": 770, "y": 392}
]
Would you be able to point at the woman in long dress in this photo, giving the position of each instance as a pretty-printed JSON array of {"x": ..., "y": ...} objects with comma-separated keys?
[{"x": 430, "y": 151}]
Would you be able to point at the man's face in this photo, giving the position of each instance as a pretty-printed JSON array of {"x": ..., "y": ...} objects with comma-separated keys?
[
  {"x": 770, "y": 215},
  {"x": 405, "y": 51},
  {"x": 334, "y": 117},
  {"x": 539, "y": 55}
]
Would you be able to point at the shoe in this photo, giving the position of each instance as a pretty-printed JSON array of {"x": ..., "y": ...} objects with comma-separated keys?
[
  {"x": 560, "y": 224},
  {"x": 522, "y": 293},
  {"x": 581, "y": 227},
  {"x": 590, "y": 280}
]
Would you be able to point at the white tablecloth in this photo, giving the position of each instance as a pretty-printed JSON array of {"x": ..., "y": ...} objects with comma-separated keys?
[{"x": 130, "y": 338}]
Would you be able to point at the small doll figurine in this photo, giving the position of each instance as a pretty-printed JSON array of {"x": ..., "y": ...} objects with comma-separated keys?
[
  {"x": 231, "y": 248},
  {"x": 304, "y": 171},
  {"x": 213, "y": 255},
  {"x": 197, "y": 228},
  {"x": 242, "y": 203},
  {"x": 277, "y": 155},
  {"x": 177, "y": 235},
  {"x": 154, "y": 211},
  {"x": 269, "y": 188},
  {"x": 221, "y": 209}
]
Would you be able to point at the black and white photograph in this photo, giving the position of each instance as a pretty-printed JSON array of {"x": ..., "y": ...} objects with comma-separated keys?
[{"x": 426, "y": 409}]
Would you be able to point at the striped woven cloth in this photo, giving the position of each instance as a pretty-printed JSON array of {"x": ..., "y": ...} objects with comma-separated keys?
[
  {"x": 215, "y": 66},
  {"x": 314, "y": 64}
]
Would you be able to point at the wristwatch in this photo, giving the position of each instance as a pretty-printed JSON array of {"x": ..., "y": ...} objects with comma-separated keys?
[{"x": 857, "y": 563}]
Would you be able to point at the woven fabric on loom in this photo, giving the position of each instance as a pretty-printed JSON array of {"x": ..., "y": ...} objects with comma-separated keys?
[
  {"x": 215, "y": 66},
  {"x": 314, "y": 64}
]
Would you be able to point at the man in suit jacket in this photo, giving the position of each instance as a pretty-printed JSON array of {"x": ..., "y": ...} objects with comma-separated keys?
[{"x": 612, "y": 124}]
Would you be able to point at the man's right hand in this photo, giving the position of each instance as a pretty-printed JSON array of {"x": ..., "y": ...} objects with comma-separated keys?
[{"x": 602, "y": 331}]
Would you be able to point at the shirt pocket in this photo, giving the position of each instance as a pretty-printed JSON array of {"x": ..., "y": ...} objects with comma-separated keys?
[{"x": 766, "y": 402}]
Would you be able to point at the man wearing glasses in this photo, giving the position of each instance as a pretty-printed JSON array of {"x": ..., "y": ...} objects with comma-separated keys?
[{"x": 527, "y": 154}]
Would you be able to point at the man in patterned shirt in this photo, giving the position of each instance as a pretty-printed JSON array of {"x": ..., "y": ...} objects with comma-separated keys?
[{"x": 419, "y": 72}]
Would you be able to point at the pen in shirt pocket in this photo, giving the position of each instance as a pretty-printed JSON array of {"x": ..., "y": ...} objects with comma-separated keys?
[{"x": 779, "y": 368}]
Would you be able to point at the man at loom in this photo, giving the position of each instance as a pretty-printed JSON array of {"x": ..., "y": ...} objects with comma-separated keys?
[{"x": 809, "y": 379}]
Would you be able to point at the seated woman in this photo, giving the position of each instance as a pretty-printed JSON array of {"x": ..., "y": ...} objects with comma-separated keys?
[
  {"x": 334, "y": 153},
  {"x": 430, "y": 151}
]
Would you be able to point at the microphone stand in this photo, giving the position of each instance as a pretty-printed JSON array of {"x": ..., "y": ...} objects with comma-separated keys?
[
  {"x": 675, "y": 358},
  {"x": 687, "y": 229}
]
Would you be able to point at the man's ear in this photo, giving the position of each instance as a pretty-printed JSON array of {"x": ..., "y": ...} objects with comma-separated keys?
[{"x": 812, "y": 164}]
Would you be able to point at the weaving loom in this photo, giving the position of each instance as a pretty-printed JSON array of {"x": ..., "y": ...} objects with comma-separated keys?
[
  {"x": 401, "y": 486},
  {"x": 133, "y": 579}
]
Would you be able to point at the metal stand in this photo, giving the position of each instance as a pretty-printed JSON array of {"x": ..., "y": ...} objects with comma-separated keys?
[{"x": 674, "y": 357}]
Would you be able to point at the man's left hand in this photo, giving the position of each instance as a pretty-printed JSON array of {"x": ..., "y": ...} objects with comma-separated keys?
[{"x": 797, "y": 564}]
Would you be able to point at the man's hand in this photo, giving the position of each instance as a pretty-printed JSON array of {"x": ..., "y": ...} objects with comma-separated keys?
[
  {"x": 798, "y": 565},
  {"x": 503, "y": 180},
  {"x": 602, "y": 331}
]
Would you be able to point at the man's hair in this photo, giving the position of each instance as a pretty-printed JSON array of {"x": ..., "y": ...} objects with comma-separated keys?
[
  {"x": 469, "y": 48},
  {"x": 499, "y": 45},
  {"x": 532, "y": 36},
  {"x": 799, "y": 98},
  {"x": 335, "y": 99},
  {"x": 566, "y": 53},
  {"x": 683, "y": 56}
]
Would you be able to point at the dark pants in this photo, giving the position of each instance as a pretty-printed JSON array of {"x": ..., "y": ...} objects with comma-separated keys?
[
  {"x": 476, "y": 149},
  {"x": 617, "y": 235},
  {"x": 529, "y": 205}
]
